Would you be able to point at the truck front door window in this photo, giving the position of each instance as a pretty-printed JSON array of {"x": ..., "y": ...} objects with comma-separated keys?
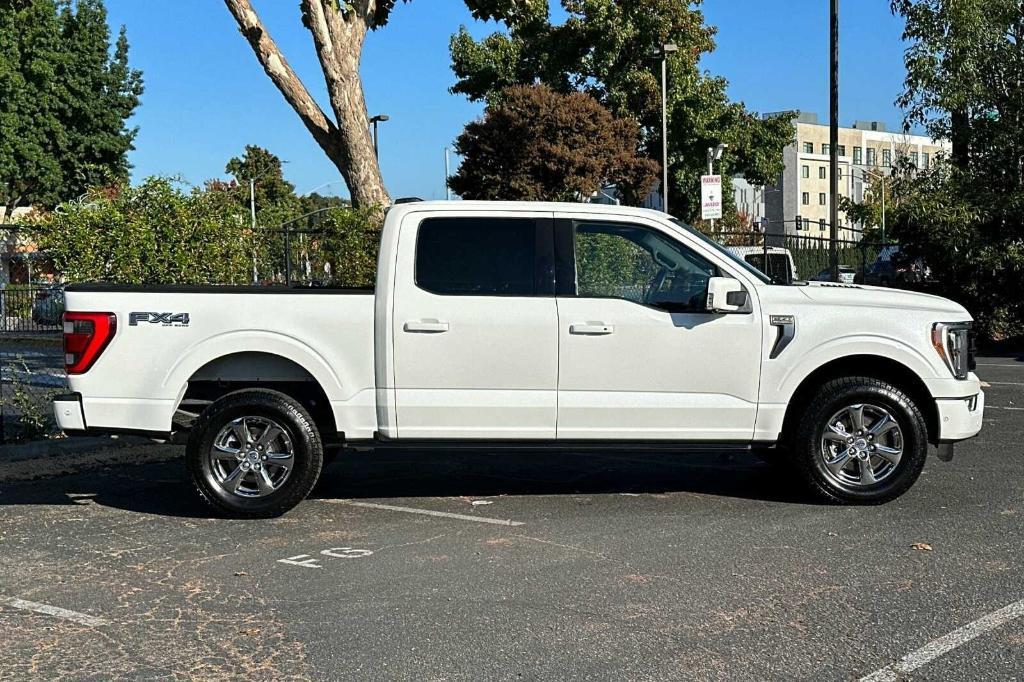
[{"x": 615, "y": 260}]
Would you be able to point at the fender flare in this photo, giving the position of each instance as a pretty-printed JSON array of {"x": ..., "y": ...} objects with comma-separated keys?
[
  {"x": 252, "y": 341},
  {"x": 851, "y": 346}
]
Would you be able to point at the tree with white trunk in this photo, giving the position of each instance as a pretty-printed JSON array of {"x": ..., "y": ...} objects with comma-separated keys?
[{"x": 338, "y": 29}]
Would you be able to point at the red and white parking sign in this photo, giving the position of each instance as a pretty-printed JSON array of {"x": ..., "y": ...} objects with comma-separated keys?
[{"x": 710, "y": 197}]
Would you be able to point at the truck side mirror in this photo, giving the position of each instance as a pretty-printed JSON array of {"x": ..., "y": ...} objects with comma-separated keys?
[{"x": 726, "y": 295}]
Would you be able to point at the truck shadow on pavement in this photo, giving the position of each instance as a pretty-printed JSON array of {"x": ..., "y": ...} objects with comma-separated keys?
[{"x": 163, "y": 488}]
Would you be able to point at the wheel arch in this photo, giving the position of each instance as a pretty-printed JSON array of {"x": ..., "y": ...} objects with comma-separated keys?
[
  {"x": 866, "y": 365},
  {"x": 246, "y": 369}
]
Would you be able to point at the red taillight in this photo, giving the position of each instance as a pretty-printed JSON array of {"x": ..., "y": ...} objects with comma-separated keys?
[{"x": 86, "y": 335}]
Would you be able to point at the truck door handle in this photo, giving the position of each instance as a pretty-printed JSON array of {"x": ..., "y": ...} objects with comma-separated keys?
[
  {"x": 592, "y": 329},
  {"x": 426, "y": 326}
]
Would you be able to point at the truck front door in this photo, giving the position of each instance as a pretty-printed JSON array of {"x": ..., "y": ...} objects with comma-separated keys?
[
  {"x": 640, "y": 356},
  {"x": 475, "y": 327}
]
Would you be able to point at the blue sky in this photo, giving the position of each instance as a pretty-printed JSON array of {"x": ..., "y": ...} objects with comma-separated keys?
[{"x": 207, "y": 97}]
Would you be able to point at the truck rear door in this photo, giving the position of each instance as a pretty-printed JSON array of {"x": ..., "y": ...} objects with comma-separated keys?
[{"x": 475, "y": 326}]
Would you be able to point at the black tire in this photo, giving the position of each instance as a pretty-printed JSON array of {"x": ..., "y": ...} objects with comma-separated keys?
[
  {"x": 303, "y": 437},
  {"x": 807, "y": 440}
]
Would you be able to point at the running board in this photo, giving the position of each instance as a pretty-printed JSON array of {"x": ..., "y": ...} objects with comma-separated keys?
[{"x": 380, "y": 443}]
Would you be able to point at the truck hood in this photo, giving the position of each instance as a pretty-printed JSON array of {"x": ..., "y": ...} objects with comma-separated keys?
[{"x": 862, "y": 296}]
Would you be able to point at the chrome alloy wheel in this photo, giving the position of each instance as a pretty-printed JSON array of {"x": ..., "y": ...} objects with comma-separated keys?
[
  {"x": 252, "y": 457},
  {"x": 862, "y": 446}
]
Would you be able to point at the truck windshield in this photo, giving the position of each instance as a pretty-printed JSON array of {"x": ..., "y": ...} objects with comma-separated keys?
[{"x": 760, "y": 276}]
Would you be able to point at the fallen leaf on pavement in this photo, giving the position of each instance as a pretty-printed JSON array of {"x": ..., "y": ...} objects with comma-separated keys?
[{"x": 921, "y": 546}]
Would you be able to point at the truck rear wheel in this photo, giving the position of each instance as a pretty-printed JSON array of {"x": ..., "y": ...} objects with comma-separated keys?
[
  {"x": 254, "y": 453},
  {"x": 861, "y": 440}
]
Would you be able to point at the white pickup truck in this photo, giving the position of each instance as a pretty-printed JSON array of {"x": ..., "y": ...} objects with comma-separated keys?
[{"x": 539, "y": 325}]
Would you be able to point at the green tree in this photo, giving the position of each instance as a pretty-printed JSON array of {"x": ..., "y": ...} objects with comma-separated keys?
[
  {"x": 339, "y": 29},
  {"x": 101, "y": 93},
  {"x": 964, "y": 69},
  {"x": 31, "y": 130},
  {"x": 65, "y": 101},
  {"x": 275, "y": 196},
  {"x": 606, "y": 48},
  {"x": 536, "y": 144}
]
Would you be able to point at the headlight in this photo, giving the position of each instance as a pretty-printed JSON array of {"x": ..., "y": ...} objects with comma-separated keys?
[{"x": 954, "y": 343}]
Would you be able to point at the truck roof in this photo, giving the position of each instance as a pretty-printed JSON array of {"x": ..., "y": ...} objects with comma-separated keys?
[{"x": 546, "y": 206}]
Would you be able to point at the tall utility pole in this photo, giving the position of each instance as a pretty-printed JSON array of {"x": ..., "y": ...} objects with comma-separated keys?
[
  {"x": 833, "y": 141},
  {"x": 666, "y": 50}
]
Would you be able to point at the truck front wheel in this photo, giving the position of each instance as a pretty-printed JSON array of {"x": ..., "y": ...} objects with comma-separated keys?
[
  {"x": 860, "y": 440},
  {"x": 254, "y": 453}
]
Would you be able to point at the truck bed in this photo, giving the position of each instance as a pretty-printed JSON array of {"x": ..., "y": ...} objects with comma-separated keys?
[{"x": 170, "y": 336}]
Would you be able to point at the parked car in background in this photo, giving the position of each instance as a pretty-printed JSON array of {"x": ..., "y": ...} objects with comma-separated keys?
[
  {"x": 847, "y": 275},
  {"x": 893, "y": 268},
  {"x": 779, "y": 265},
  {"x": 48, "y": 305}
]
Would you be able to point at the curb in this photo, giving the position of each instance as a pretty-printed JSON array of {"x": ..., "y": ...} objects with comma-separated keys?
[{"x": 48, "y": 458}]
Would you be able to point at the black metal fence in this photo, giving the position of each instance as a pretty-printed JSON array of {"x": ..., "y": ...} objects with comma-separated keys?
[
  {"x": 804, "y": 256},
  {"x": 30, "y": 308},
  {"x": 31, "y": 359}
]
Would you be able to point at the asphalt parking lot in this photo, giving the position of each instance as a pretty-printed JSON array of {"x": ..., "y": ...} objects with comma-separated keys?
[{"x": 527, "y": 566}]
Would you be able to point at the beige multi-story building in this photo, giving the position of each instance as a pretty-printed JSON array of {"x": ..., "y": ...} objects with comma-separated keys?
[{"x": 865, "y": 150}]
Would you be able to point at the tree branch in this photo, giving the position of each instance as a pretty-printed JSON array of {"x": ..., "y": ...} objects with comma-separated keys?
[{"x": 281, "y": 73}]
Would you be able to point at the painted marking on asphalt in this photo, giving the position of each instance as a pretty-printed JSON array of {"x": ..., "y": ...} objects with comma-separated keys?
[
  {"x": 943, "y": 645},
  {"x": 1016, "y": 365},
  {"x": 1000, "y": 407},
  {"x": 80, "y": 618},
  {"x": 303, "y": 560},
  {"x": 346, "y": 552},
  {"x": 429, "y": 512},
  {"x": 1002, "y": 383}
]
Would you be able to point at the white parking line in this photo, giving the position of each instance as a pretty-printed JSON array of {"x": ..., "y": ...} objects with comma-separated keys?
[
  {"x": 1002, "y": 383},
  {"x": 80, "y": 618},
  {"x": 943, "y": 645},
  {"x": 428, "y": 512}
]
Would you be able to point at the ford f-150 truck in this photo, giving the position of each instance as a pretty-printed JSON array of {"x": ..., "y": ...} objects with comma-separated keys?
[{"x": 538, "y": 325}]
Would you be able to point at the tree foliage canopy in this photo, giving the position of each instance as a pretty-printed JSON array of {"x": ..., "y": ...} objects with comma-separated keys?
[
  {"x": 965, "y": 69},
  {"x": 65, "y": 100},
  {"x": 607, "y": 49},
  {"x": 536, "y": 144}
]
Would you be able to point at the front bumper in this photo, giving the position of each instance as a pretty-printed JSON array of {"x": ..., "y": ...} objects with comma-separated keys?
[{"x": 960, "y": 418}]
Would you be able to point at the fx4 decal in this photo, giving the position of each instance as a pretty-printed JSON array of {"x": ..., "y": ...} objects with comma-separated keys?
[{"x": 165, "y": 319}]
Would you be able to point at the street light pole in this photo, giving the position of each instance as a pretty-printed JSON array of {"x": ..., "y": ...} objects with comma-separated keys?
[
  {"x": 252, "y": 224},
  {"x": 833, "y": 139},
  {"x": 379, "y": 118},
  {"x": 447, "y": 174},
  {"x": 666, "y": 50}
]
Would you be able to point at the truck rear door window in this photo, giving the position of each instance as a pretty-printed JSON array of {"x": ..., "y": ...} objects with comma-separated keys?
[{"x": 479, "y": 257}]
